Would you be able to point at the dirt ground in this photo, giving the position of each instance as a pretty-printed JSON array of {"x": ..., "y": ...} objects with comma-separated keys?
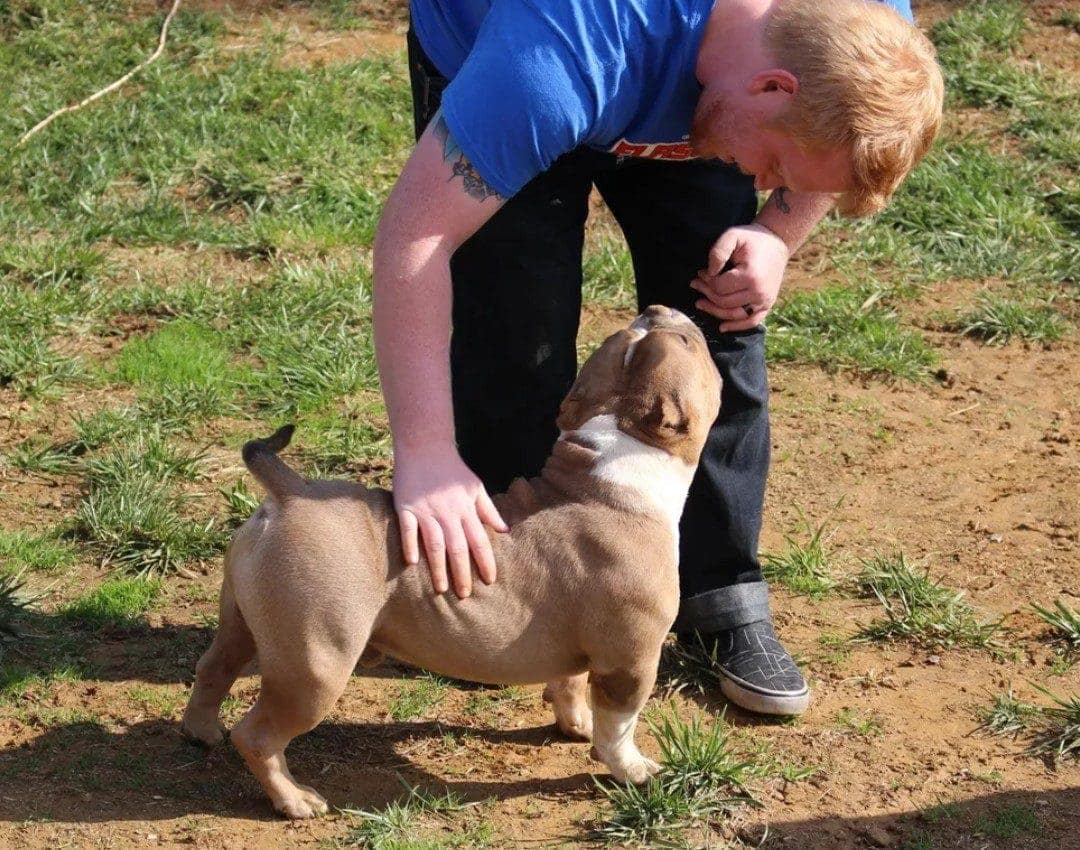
[{"x": 975, "y": 473}]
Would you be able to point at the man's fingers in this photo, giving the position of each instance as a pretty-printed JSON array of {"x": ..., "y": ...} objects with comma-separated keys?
[
  {"x": 741, "y": 323},
  {"x": 489, "y": 514},
  {"x": 435, "y": 548},
  {"x": 721, "y": 252},
  {"x": 457, "y": 549},
  {"x": 480, "y": 546},
  {"x": 733, "y": 295},
  {"x": 410, "y": 547}
]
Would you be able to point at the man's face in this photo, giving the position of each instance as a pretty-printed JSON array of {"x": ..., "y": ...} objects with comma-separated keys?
[{"x": 737, "y": 131}]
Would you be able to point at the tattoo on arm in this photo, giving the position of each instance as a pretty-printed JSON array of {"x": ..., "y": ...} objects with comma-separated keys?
[
  {"x": 474, "y": 185},
  {"x": 778, "y": 199}
]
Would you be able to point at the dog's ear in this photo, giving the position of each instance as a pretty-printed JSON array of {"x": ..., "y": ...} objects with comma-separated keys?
[
  {"x": 666, "y": 418},
  {"x": 653, "y": 408},
  {"x": 597, "y": 383}
]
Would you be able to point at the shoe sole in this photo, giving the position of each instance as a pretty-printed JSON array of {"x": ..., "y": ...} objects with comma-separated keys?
[{"x": 746, "y": 696}]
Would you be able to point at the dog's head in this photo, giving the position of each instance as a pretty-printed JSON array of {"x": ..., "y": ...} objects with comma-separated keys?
[{"x": 656, "y": 378}]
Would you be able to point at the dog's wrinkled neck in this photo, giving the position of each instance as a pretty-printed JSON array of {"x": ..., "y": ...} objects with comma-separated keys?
[{"x": 643, "y": 478}]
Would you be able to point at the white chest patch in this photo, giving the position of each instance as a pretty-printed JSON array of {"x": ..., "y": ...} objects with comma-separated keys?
[{"x": 653, "y": 481}]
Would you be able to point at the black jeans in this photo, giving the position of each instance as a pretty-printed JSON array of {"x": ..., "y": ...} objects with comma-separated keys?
[{"x": 517, "y": 302}]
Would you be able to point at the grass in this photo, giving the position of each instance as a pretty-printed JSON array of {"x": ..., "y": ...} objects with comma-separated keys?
[
  {"x": 919, "y": 608},
  {"x": 119, "y": 603},
  {"x": 1064, "y": 622},
  {"x": 1059, "y": 736},
  {"x": 967, "y": 211},
  {"x": 995, "y": 24},
  {"x": 997, "y": 320},
  {"x": 866, "y": 724},
  {"x": 249, "y": 154},
  {"x": 609, "y": 274},
  {"x": 701, "y": 776},
  {"x": 802, "y": 567},
  {"x": 180, "y": 359},
  {"x": 399, "y": 825},
  {"x": 1007, "y": 715},
  {"x": 45, "y": 553},
  {"x": 1010, "y": 822},
  {"x": 415, "y": 698},
  {"x": 839, "y": 328},
  {"x": 484, "y": 704},
  {"x": 13, "y": 603}
]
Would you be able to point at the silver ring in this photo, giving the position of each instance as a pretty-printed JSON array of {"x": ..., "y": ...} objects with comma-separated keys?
[{"x": 749, "y": 310}]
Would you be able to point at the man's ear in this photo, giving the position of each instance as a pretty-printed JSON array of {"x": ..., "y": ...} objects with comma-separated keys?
[{"x": 773, "y": 80}]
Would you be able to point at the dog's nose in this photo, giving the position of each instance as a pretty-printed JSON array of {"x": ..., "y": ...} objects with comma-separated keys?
[{"x": 658, "y": 315}]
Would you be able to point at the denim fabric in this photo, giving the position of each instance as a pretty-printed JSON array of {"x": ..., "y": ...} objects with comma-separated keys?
[{"x": 517, "y": 303}]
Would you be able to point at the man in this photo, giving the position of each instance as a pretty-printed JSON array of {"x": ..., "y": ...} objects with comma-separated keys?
[{"x": 660, "y": 104}]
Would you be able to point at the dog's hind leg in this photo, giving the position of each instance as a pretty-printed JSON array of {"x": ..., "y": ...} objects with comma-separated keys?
[
  {"x": 233, "y": 647},
  {"x": 298, "y": 691},
  {"x": 568, "y": 701}
]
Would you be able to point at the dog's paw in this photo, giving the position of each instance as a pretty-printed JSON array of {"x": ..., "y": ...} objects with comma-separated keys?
[
  {"x": 301, "y": 803},
  {"x": 206, "y": 731},
  {"x": 637, "y": 772},
  {"x": 634, "y": 768},
  {"x": 575, "y": 724}
]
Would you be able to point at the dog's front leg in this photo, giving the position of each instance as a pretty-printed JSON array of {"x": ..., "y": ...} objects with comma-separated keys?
[{"x": 617, "y": 698}]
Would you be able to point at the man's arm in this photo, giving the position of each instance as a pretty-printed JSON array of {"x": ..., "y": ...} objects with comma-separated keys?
[
  {"x": 439, "y": 201},
  {"x": 742, "y": 297}
]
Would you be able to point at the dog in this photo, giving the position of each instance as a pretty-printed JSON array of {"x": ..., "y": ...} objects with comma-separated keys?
[{"x": 587, "y": 587}]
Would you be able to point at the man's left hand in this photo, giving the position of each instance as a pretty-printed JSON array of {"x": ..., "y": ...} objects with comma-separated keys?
[{"x": 742, "y": 297}]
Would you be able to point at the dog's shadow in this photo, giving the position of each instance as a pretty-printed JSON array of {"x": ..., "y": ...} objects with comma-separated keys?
[{"x": 88, "y": 772}]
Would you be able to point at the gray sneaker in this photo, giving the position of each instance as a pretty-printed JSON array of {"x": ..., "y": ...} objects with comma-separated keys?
[{"x": 756, "y": 672}]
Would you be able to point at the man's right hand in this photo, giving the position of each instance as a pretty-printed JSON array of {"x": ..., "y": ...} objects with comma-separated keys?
[{"x": 441, "y": 501}]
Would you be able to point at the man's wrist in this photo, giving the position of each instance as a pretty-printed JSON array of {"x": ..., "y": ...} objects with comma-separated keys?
[{"x": 418, "y": 444}]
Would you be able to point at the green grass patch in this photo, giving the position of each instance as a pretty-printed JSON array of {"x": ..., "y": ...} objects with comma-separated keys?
[
  {"x": 136, "y": 516},
  {"x": 1010, "y": 822},
  {"x": 45, "y": 553},
  {"x": 14, "y": 601},
  {"x": 803, "y": 566},
  {"x": 919, "y": 608},
  {"x": 844, "y": 329},
  {"x": 997, "y": 320},
  {"x": 336, "y": 443},
  {"x": 486, "y": 704},
  {"x": 701, "y": 777},
  {"x": 210, "y": 145},
  {"x": 1064, "y": 622},
  {"x": 1059, "y": 736},
  {"x": 863, "y": 723},
  {"x": 418, "y": 821},
  {"x": 609, "y": 275},
  {"x": 987, "y": 24},
  {"x": 1007, "y": 715},
  {"x": 179, "y": 359},
  {"x": 32, "y": 367},
  {"x": 118, "y": 603},
  {"x": 417, "y": 697},
  {"x": 968, "y": 212}
]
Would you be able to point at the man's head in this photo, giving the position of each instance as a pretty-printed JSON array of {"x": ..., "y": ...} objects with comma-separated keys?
[{"x": 841, "y": 96}]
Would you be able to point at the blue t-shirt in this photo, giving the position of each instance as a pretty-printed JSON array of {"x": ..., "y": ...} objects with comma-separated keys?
[{"x": 533, "y": 79}]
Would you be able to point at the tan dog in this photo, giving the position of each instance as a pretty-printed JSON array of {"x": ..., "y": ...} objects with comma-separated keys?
[{"x": 587, "y": 585}]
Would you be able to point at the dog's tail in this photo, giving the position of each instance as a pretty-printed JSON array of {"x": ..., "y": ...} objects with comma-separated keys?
[{"x": 260, "y": 456}]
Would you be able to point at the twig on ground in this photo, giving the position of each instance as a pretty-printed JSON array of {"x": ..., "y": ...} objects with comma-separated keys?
[{"x": 113, "y": 86}]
